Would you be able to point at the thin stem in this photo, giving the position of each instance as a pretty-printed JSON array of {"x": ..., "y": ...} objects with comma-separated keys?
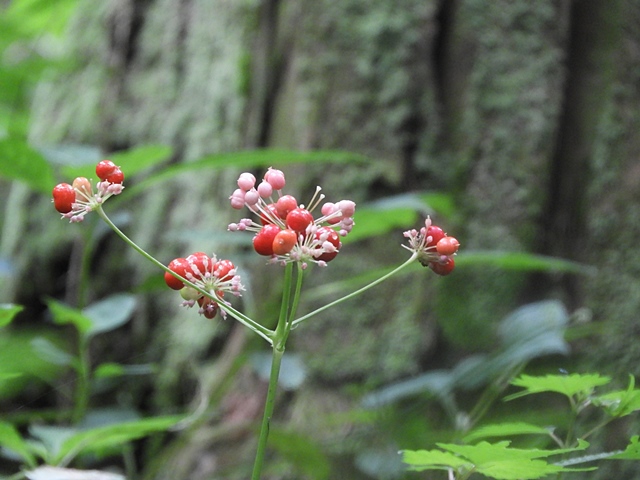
[
  {"x": 246, "y": 321},
  {"x": 356, "y": 293},
  {"x": 279, "y": 340},
  {"x": 82, "y": 387}
]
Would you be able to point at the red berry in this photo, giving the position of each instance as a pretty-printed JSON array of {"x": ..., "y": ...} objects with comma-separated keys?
[
  {"x": 199, "y": 263},
  {"x": 221, "y": 270},
  {"x": 104, "y": 169},
  {"x": 447, "y": 246},
  {"x": 208, "y": 306},
  {"x": 273, "y": 214},
  {"x": 333, "y": 238},
  {"x": 263, "y": 241},
  {"x": 63, "y": 197},
  {"x": 444, "y": 268},
  {"x": 285, "y": 204},
  {"x": 179, "y": 266},
  {"x": 115, "y": 177},
  {"x": 299, "y": 219},
  {"x": 436, "y": 233},
  {"x": 284, "y": 241}
]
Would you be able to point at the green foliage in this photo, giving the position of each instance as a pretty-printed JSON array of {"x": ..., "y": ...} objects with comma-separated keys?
[
  {"x": 18, "y": 161},
  {"x": 499, "y": 460},
  {"x": 7, "y": 312},
  {"x": 574, "y": 385}
]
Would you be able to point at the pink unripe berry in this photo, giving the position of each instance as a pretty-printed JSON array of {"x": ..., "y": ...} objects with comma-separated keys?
[
  {"x": 275, "y": 178},
  {"x": 251, "y": 197},
  {"x": 237, "y": 199},
  {"x": 265, "y": 189},
  {"x": 246, "y": 181}
]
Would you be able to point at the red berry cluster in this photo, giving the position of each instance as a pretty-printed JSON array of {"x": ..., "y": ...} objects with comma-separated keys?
[
  {"x": 434, "y": 248},
  {"x": 209, "y": 274},
  {"x": 76, "y": 200},
  {"x": 287, "y": 230}
]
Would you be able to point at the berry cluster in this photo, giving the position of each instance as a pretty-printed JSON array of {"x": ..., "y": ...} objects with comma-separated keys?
[
  {"x": 76, "y": 200},
  {"x": 434, "y": 248},
  {"x": 209, "y": 274},
  {"x": 287, "y": 231}
]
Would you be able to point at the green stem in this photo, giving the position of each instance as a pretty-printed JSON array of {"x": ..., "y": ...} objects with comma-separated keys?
[
  {"x": 246, "y": 321},
  {"x": 81, "y": 402},
  {"x": 355, "y": 293},
  {"x": 287, "y": 310},
  {"x": 276, "y": 361}
]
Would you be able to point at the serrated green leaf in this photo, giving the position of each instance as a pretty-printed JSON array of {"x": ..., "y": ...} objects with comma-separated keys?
[
  {"x": 620, "y": 403},
  {"x": 569, "y": 385},
  {"x": 18, "y": 161},
  {"x": 11, "y": 439},
  {"x": 109, "y": 313},
  {"x": 632, "y": 452},
  {"x": 419, "y": 460},
  {"x": 505, "y": 430},
  {"x": 7, "y": 312},
  {"x": 63, "y": 314}
]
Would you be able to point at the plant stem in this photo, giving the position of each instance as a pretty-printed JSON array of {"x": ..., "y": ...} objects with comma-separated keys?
[
  {"x": 287, "y": 310},
  {"x": 246, "y": 321},
  {"x": 355, "y": 293},
  {"x": 276, "y": 361}
]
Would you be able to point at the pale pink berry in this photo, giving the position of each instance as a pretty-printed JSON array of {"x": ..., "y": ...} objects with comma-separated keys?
[
  {"x": 246, "y": 181},
  {"x": 265, "y": 189},
  {"x": 251, "y": 197},
  {"x": 347, "y": 207},
  {"x": 275, "y": 178},
  {"x": 237, "y": 199}
]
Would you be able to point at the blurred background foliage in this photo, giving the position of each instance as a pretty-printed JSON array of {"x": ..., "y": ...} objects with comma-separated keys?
[{"x": 512, "y": 123}]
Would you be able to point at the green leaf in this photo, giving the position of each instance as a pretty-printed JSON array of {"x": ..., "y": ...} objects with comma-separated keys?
[
  {"x": 419, "y": 460},
  {"x": 132, "y": 161},
  {"x": 620, "y": 403},
  {"x": 52, "y": 439},
  {"x": 106, "y": 370},
  {"x": 63, "y": 314},
  {"x": 51, "y": 353},
  {"x": 520, "y": 261},
  {"x": 18, "y": 161},
  {"x": 632, "y": 452},
  {"x": 505, "y": 430},
  {"x": 11, "y": 439},
  {"x": 114, "y": 435},
  {"x": 109, "y": 313},
  {"x": 7, "y": 312},
  {"x": 569, "y": 385},
  {"x": 247, "y": 159}
]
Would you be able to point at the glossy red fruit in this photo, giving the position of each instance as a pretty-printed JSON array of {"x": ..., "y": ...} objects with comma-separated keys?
[
  {"x": 331, "y": 237},
  {"x": 263, "y": 241},
  {"x": 447, "y": 246},
  {"x": 273, "y": 214},
  {"x": 63, "y": 197},
  {"x": 199, "y": 263},
  {"x": 179, "y": 266},
  {"x": 115, "y": 177},
  {"x": 436, "y": 234},
  {"x": 285, "y": 204},
  {"x": 221, "y": 270},
  {"x": 443, "y": 268},
  {"x": 105, "y": 168},
  {"x": 299, "y": 219},
  {"x": 284, "y": 241}
]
